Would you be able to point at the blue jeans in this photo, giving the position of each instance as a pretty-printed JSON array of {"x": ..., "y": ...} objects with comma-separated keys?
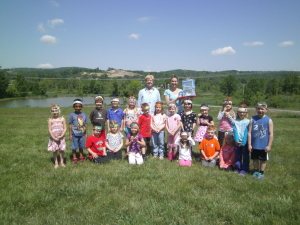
[{"x": 158, "y": 143}]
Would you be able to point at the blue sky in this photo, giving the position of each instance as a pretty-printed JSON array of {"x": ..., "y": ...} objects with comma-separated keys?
[{"x": 151, "y": 35}]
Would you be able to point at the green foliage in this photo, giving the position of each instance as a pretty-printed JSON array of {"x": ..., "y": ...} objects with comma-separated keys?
[
  {"x": 4, "y": 82},
  {"x": 229, "y": 85}
]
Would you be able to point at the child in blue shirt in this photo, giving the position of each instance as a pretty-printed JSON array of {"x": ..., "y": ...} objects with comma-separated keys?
[
  {"x": 78, "y": 131},
  {"x": 115, "y": 113}
]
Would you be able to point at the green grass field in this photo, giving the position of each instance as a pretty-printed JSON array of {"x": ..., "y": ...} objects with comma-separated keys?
[{"x": 157, "y": 192}]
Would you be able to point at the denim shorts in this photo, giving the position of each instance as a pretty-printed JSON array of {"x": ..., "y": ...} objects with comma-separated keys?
[{"x": 78, "y": 142}]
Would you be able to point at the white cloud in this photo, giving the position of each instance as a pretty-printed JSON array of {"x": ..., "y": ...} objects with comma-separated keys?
[
  {"x": 144, "y": 19},
  {"x": 224, "y": 51},
  {"x": 53, "y": 3},
  {"x": 41, "y": 28},
  {"x": 286, "y": 43},
  {"x": 53, "y": 23},
  {"x": 48, "y": 40},
  {"x": 253, "y": 43},
  {"x": 134, "y": 36},
  {"x": 46, "y": 65}
]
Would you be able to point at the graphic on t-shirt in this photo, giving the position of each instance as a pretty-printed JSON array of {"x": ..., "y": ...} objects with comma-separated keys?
[
  {"x": 259, "y": 130},
  {"x": 81, "y": 124},
  {"x": 100, "y": 115},
  {"x": 130, "y": 116},
  {"x": 99, "y": 143}
]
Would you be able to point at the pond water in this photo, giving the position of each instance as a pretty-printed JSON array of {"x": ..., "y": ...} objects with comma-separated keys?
[{"x": 45, "y": 102}]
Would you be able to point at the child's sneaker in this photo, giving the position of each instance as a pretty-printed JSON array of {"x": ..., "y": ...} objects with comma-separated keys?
[
  {"x": 81, "y": 159},
  {"x": 75, "y": 160},
  {"x": 161, "y": 157},
  {"x": 260, "y": 176},
  {"x": 255, "y": 174}
]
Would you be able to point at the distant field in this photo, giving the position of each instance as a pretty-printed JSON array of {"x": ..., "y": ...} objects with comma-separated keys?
[{"x": 157, "y": 192}]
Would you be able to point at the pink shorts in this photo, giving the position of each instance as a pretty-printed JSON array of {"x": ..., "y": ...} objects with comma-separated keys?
[{"x": 183, "y": 162}]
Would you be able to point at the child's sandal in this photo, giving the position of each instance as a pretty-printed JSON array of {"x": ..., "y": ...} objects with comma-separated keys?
[
  {"x": 63, "y": 165},
  {"x": 55, "y": 166}
]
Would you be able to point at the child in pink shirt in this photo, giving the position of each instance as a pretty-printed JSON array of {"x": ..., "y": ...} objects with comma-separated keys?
[{"x": 227, "y": 153}]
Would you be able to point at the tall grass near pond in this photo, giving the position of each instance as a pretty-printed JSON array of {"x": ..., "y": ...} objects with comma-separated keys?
[{"x": 157, "y": 192}]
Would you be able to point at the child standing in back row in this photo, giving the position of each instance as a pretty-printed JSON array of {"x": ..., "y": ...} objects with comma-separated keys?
[
  {"x": 57, "y": 129},
  {"x": 158, "y": 123},
  {"x": 203, "y": 121},
  {"x": 131, "y": 113},
  {"x": 188, "y": 117},
  {"x": 78, "y": 131},
  {"x": 145, "y": 128},
  {"x": 173, "y": 125},
  {"x": 98, "y": 115},
  {"x": 225, "y": 124},
  {"x": 260, "y": 139},
  {"x": 240, "y": 129}
]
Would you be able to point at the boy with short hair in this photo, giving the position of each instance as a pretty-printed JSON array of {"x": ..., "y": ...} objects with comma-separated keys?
[
  {"x": 98, "y": 115},
  {"x": 115, "y": 113},
  {"x": 78, "y": 130},
  {"x": 145, "y": 128},
  {"x": 96, "y": 147},
  {"x": 260, "y": 139},
  {"x": 209, "y": 148}
]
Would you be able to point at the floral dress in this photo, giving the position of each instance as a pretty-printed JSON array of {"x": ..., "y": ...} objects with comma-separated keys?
[
  {"x": 187, "y": 121},
  {"x": 201, "y": 132},
  {"x": 57, "y": 128}
]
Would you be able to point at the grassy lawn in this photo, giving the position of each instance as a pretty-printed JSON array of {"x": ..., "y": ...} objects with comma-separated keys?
[{"x": 157, "y": 192}]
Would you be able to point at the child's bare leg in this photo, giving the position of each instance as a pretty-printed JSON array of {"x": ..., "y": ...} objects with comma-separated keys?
[
  {"x": 255, "y": 164},
  {"x": 80, "y": 152},
  {"x": 74, "y": 154},
  {"x": 62, "y": 154},
  {"x": 55, "y": 159},
  {"x": 263, "y": 165}
]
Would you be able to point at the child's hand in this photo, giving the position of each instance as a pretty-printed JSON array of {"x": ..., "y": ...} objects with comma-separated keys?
[
  {"x": 226, "y": 114},
  {"x": 200, "y": 114},
  {"x": 238, "y": 143},
  {"x": 95, "y": 156},
  {"x": 70, "y": 137},
  {"x": 104, "y": 153},
  {"x": 268, "y": 148},
  {"x": 250, "y": 148}
]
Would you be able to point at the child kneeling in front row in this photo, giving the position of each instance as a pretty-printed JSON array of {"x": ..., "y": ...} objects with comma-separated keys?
[
  {"x": 135, "y": 142},
  {"x": 95, "y": 145},
  {"x": 209, "y": 148},
  {"x": 185, "y": 143},
  {"x": 260, "y": 139}
]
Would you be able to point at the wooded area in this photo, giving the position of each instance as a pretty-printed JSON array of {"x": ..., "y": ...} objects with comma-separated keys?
[{"x": 278, "y": 88}]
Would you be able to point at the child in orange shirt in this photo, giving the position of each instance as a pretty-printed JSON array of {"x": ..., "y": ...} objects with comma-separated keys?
[{"x": 209, "y": 148}]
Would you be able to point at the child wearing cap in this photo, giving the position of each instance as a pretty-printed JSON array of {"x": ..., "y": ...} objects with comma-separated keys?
[
  {"x": 260, "y": 139},
  {"x": 98, "y": 115},
  {"x": 115, "y": 113},
  {"x": 209, "y": 148},
  {"x": 78, "y": 131},
  {"x": 96, "y": 147}
]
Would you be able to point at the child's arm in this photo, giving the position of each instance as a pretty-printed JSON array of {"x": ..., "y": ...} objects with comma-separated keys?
[
  {"x": 70, "y": 131},
  {"x": 151, "y": 125},
  {"x": 122, "y": 125},
  {"x": 271, "y": 137},
  {"x": 107, "y": 145},
  {"x": 220, "y": 115},
  {"x": 95, "y": 155},
  {"x": 50, "y": 132},
  {"x": 104, "y": 151},
  {"x": 120, "y": 146},
  {"x": 249, "y": 137},
  {"x": 192, "y": 142},
  {"x": 198, "y": 119},
  {"x": 86, "y": 131},
  {"x": 203, "y": 154},
  {"x": 141, "y": 142},
  {"x": 128, "y": 142},
  {"x": 214, "y": 155},
  {"x": 179, "y": 125},
  {"x": 222, "y": 163},
  {"x": 167, "y": 126}
]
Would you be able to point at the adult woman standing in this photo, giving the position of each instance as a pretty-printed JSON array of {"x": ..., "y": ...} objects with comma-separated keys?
[
  {"x": 149, "y": 94},
  {"x": 171, "y": 95}
]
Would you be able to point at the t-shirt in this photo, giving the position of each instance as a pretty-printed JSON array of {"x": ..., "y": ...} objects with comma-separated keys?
[
  {"x": 173, "y": 122},
  {"x": 96, "y": 144},
  {"x": 203, "y": 119},
  {"x": 169, "y": 93},
  {"x": 130, "y": 116},
  {"x": 78, "y": 122},
  {"x": 158, "y": 121},
  {"x": 114, "y": 140},
  {"x": 98, "y": 117},
  {"x": 145, "y": 126},
  {"x": 209, "y": 146},
  {"x": 188, "y": 120},
  {"x": 117, "y": 115},
  {"x": 227, "y": 155},
  {"x": 134, "y": 146}
]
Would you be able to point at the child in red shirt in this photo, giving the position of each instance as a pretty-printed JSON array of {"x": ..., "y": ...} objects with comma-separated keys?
[
  {"x": 145, "y": 128},
  {"x": 96, "y": 147},
  {"x": 209, "y": 148}
]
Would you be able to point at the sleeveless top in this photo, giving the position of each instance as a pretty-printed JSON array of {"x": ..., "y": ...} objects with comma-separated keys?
[{"x": 260, "y": 132}]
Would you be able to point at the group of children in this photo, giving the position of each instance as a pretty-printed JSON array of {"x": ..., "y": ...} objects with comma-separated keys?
[{"x": 237, "y": 135}]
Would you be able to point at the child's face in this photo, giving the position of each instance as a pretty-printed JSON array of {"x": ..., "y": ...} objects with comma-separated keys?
[
  {"x": 261, "y": 111},
  {"x": 187, "y": 105},
  {"x": 114, "y": 129},
  {"x": 146, "y": 111},
  {"x": 228, "y": 140},
  {"x": 204, "y": 112},
  {"x": 158, "y": 109},
  {"x": 242, "y": 115},
  {"x": 172, "y": 110},
  {"x": 184, "y": 138},
  {"x": 228, "y": 106},
  {"x": 55, "y": 113},
  {"x": 99, "y": 104},
  {"x": 97, "y": 132},
  {"x": 131, "y": 104},
  {"x": 210, "y": 135},
  {"x": 134, "y": 129},
  {"x": 77, "y": 107},
  {"x": 115, "y": 104}
]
